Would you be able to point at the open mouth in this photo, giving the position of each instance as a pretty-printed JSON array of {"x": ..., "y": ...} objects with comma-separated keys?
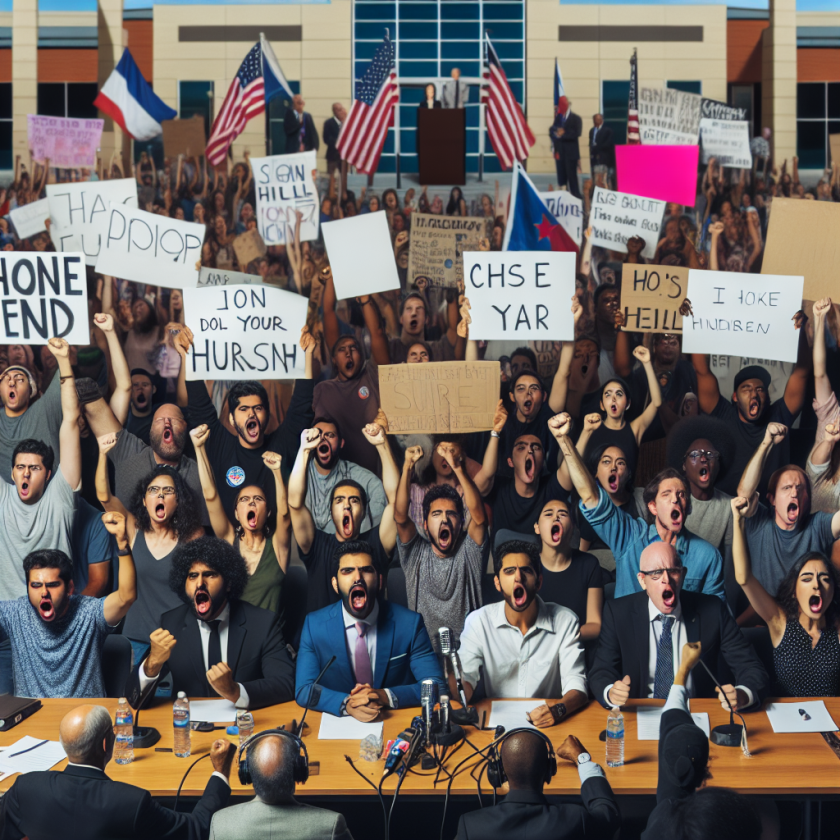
[
  {"x": 526, "y": 406},
  {"x": 613, "y": 409},
  {"x": 140, "y": 399},
  {"x": 704, "y": 473},
  {"x": 349, "y": 366},
  {"x": 793, "y": 512},
  {"x": 676, "y": 517},
  {"x": 24, "y": 489},
  {"x": 11, "y": 395},
  {"x": 556, "y": 533},
  {"x": 520, "y": 596},
  {"x": 669, "y": 597},
  {"x": 252, "y": 519},
  {"x": 160, "y": 511},
  {"x": 324, "y": 451},
  {"x": 47, "y": 609},
  {"x": 613, "y": 482},
  {"x": 584, "y": 369},
  {"x": 413, "y": 324},
  {"x": 753, "y": 408},
  {"x": 358, "y": 598},
  {"x": 167, "y": 435},
  {"x": 444, "y": 538},
  {"x": 529, "y": 469},
  {"x": 815, "y": 603},
  {"x": 252, "y": 429},
  {"x": 202, "y": 602},
  {"x": 347, "y": 526}
]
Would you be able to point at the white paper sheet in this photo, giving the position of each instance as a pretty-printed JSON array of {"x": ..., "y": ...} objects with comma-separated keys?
[
  {"x": 647, "y": 722},
  {"x": 347, "y": 728},
  {"x": 511, "y": 713},
  {"x": 785, "y": 717},
  {"x": 41, "y": 758},
  {"x": 213, "y": 711}
]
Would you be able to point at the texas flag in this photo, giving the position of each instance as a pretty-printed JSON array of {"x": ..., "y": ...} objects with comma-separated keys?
[
  {"x": 130, "y": 102},
  {"x": 532, "y": 226}
]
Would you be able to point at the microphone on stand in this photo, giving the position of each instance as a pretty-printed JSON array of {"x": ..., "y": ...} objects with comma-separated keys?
[
  {"x": 145, "y": 736},
  {"x": 428, "y": 698},
  {"x": 299, "y": 732},
  {"x": 467, "y": 714}
]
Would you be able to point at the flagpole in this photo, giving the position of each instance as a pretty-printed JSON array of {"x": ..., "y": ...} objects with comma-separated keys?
[
  {"x": 481, "y": 120},
  {"x": 267, "y": 125}
]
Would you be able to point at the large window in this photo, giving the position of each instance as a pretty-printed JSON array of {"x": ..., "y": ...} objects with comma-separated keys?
[
  {"x": 68, "y": 99},
  {"x": 686, "y": 87},
  {"x": 817, "y": 116},
  {"x": 614, "y": 100},
  {"x": 196, "y": 98},
  {"x": 6, "y": 126}
]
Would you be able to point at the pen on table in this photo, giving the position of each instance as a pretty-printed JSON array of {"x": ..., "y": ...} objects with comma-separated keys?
[
  {"x": 805, "y": 715},
  {"x": 29, "y": 749}
]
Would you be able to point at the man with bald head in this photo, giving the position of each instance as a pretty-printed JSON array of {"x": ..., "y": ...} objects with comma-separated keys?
[
  {"x": 81, "y": 802},
  {"x": 642, "y": 638},
  {"x": 525, "y": 811},
  {"x": 332, "y": 128},
  {"x": 275, "y": 813}
]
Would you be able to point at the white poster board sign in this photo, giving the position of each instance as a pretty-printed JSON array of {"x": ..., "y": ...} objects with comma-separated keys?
[
  {"x": 30, "y": 219},
  {"x": 44, "y": 296},
  {"x": 743, "y": 314},
  {"x": 221, "y": 277},
  {"x": 728, "y": 141},
  {"x": 568, "y": 211},
  {"x": 245, "y": 332},
  {"x": 361, "y": 255},
  {"x": 283, "y": 184},
  {"x": 79, "y": 212},
  {"x": 149, "y": 248},
  {"x": 520, "y": 295},
  {"x": 617, "y": 216},
  {"x": 668, "y": 117}
]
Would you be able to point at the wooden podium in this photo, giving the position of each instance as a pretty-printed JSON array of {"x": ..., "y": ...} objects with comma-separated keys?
[{"x": 442, "y": 145}]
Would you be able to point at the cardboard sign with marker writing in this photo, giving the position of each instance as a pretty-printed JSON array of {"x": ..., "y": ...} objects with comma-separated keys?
[
  {"x": 834, "y": 144},
  {"x": 651, "y": 296},
  {"x": 248, "y": 246},
  {"x": 439, "y": 396},
  {"x": 438, "y": 244},
  {"x": 184, "y": 137}
]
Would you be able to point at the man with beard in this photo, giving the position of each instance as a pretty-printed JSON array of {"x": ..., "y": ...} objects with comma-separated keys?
[
  {"x": 643, "y": 636},
  {"x": 215, "y": 644},
  {"x": 139, "y": 420},
  {"x": 667, "y": 503},
  {"x": 442, "y": 573},
  {"x": 777, "y": 536},
  {"x": 57, "y": 635},
  {"x": 348, "y": 506},
  {"x": 327, "y": 469},
  {"x": 500, "y": 640},
  {"x": 382, "y": 650}
]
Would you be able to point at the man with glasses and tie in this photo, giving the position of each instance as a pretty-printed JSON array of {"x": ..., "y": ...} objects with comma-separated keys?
[{"x": 643, "y": 634}]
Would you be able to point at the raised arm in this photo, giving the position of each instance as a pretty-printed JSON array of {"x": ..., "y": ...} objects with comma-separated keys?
[
  {"x": 708, "y": 391},
  {"x": 560, "y": 384},
  {"x": 117, "y": 603},
  {"x": 330, "y": 319},
  {"x": 375, "y": 436},
  {"x": 454, "y": 456},
  {"x": 797, "y": 383},
  {"x": 406, "y": 529},
  {"x": 560, "y": 426},
  {"x": 821, "y": 453},
  {"x": 485, "y": 477},
  {"x": 822, "y": 385},
  {"x": 378, "y": 340},
  {"x": 281, "y": 540},
  {"x": 641, "y": 423},
  {"x": 590, "y": 423},
  {"x": 303, "y": 525},
  {"x": 121, "y": 396},
  {"x": 222, "y": 526},
  {"x": 103, "y": 486},
  {"x": 69, "y": 442},
  {"x": 774, "y": 434}
]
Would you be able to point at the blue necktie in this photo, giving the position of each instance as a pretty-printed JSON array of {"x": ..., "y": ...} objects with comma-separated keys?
[{"x": 664, "y": 678}]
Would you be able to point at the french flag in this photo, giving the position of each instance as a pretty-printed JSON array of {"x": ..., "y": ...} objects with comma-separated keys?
[{"x": 129, "y": 101}]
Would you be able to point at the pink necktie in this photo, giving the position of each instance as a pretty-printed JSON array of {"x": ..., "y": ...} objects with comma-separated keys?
[{"x": 364, "y": 671}]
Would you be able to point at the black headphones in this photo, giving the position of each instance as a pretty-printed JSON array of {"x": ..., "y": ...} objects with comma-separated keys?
[
  {"x": 301, "y": 769},
  {"x": 496, "y": 772}
]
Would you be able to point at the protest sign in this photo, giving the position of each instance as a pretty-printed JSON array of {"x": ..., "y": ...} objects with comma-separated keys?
[
  {"x": 727, "y": 141},
  {"x": 44, "y": 296},
  {"x": 725, "y": 369},
  {"x": 668, "y": 117},
  {"x": 66, "y": 142},
  {"x": 284, "y": 186},
  {"x": 651, "y": 296},
  {"x": 245, "y": 333},
  {"x": 184, "y": 137},
  {"x": 616, "y": 216},
  {"x": 802, "y": 239},
  {"x": 147, "y": 247},
  {"x": 79, "y": 212},
  {"x": 520, "y": 295},
  {"x": 439, "y": 396},
  {"x": 834, "y": 143},
  {"x": 711, "y": 109},
  {"x": 568, "y": 211},
  {"x": 438, "y": 244},
  {"x": 30, "y": 219},
  {"x": 667, "y": 173},
  {"x": 248, "y": 246},
  {"x": 220, "y": 277},
  {"x": 742, "y": 314},
  {"x": 361, "y": 255}
]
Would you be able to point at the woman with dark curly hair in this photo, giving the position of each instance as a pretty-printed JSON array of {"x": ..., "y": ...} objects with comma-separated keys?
[
  {"x": 803, "y": 618},
  {"x": 162, "y": 514}
]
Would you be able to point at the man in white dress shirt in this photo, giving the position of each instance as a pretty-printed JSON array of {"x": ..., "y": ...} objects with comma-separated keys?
[{"x": 455, "y": 92}]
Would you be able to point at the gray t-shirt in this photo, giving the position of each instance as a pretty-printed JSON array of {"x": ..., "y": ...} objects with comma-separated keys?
[
  {"x": 48, "y": 523},
  {"x": 444, "y": 590},
  {"x": 319, "y": 489},
  {"x": 41, "y": 421}
]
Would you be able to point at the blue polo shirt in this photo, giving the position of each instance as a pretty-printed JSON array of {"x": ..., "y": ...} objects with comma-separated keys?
[{"x": 628, "y": 536}]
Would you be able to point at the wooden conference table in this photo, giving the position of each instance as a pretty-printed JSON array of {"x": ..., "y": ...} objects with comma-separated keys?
[{"x": 797, "y": 765}]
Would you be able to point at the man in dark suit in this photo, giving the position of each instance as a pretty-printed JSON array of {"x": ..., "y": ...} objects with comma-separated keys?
[
  {"x": 601, "y": 144},
  {"x": 81, "y": 802},
  {"x": 383, "y": 652},
  {"x": 564, "y": 132},
  {"x": 301, "y": 134},
  {"x": 525, "y": 811},
  {"x": 216, "y": 644},
  {"x": 642, "y": 638},
  {"x": 332, "y": 128}
]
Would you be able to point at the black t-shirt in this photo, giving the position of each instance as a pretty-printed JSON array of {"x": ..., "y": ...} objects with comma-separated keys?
[
  {"x": 570, "y": 588},
  {"x": 678, "y": 383},
  {"x": 514, "y": 429},
  {"x": 319, "y": 566},
  {"x": 587, "y": 532},
  {"x": 140, "y": 427},
  {"x": 518, "y": 513},
  {"x": 748, "y": 436}
]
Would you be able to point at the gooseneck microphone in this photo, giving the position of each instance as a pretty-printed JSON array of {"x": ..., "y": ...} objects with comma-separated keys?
[
  {"x": 466, "y": 715},
  {"x": 299, "y": 732}
]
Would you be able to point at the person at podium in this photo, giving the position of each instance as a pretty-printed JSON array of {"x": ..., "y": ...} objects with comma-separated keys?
[{"x": 429, "y": 100}]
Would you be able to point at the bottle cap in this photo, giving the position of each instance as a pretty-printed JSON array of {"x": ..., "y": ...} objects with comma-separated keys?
[
  {"x": 123, "y": 700},
  {"x": 182, "y": 695},
  {"x": 232, "y": 730}
]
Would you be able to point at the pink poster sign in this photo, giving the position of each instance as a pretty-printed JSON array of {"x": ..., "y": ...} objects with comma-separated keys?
[
  {"x": 66, "y": 142},
  {"x": 667, "y": 173}
]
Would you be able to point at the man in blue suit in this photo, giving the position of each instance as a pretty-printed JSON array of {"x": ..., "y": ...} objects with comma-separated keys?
[{"x": 383, "y": 652}]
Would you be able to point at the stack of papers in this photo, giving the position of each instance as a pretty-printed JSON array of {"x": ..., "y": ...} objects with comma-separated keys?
[
  {"x": 647, "y": 722},
  {"x": 790, "y": 717},
  {"x": 347, "y": 728},
  {"x": 46, "y": 754},
  {"x": 213, "y": 711},
  {"x": 511, "y": 714}
]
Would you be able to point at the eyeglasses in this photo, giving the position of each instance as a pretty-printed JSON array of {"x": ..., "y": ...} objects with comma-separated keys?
[
  {"x": 697, "y": 454},
  {"x": 656, "y": 574},
  {"x": 154, "y": 490}
]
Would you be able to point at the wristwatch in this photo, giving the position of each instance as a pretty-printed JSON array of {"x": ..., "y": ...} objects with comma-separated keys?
[
  {"x": 494, "y": 433},
  {"x": 583, "y": 758}
]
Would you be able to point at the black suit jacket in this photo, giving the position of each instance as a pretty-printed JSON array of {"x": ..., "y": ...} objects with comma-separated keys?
[
  {"x": 81, "y": 803},
  {"x": 602, "y": 150},
  {"x": 331, "y": 130},
  {"x": 292, "y": 128},
  {"x": 435, "y": 104},
  {"x": 528, "y": 814},
  {"x": 624, "y": 646},
  {"x": 256, "y": 654},
  {"x": 566, "y": 147}
]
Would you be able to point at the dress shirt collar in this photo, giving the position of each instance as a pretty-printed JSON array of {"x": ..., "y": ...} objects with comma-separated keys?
[
  {"x": 223, "y": 618},
  {"x": 544, "y": 620},
  {"x": 350, "y": 621},
  {"x": 86, "y": 766},
  {"x": 653, "y": 612}
]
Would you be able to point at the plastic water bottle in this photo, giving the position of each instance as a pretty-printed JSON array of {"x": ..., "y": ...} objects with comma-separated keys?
[
  {"x": 245, "y": 724},
  {"x": 181, "y": 725},
  {"x": 124, "y": 732},
  {"x": 615, "y": 738}
]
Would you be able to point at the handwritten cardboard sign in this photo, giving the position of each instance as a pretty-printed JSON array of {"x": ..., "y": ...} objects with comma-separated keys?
[
  {"x": 439, "y": 396},
  {"x": 667, "y": 173},
  {"x": 742, "y": 314},
  {"x": 651, "y": 296},
  {"x": 284, "y": 186},
  {"x": 66, "y": 142},
  {"x": 568, "y": 211},
  {"x": 618, "y": 216},
  {"x": 221, "y": 277},
  {"x": 245, "y": 332},
  {"x": 248, "y": 246},
  {"x": 668, "y": 117},
  {"x": 728, "y": 141},
  {"x": 520, "y": 295},
  {"x": 30, "y": 219},
  {"x": 438, "y": 244},
  {"x": 184, "y": 137},
  {"x": 834, "y": 145},
  {"x": 802, "y": 238},
  {"x": 711, "y": 109},
  {"x": 44, "y": 295}
]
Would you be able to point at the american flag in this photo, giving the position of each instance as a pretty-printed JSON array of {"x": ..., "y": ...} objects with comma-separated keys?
[
  {"x": 245, "y": 99},
  {"x": 363, "y": 133},
  {"x": 633, "y": 138},
  {"x": 509, "y": 133}
]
